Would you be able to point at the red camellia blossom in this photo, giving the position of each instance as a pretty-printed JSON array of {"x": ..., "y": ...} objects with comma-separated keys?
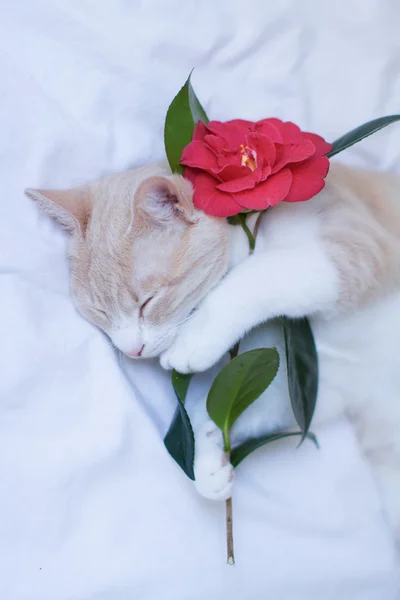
[{"x": 239, "y": 166}]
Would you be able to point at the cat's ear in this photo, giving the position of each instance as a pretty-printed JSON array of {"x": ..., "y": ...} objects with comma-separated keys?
[
  {"x": 163, "y": 199},
  {"x": 71, "y": 208}
]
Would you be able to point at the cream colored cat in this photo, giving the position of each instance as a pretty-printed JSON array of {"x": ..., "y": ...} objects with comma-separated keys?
[{"x": 163, "y": 279}]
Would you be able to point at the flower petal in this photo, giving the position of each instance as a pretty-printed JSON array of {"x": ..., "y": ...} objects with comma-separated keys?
[
  {"x": 269, "y": 128},
  {"x": 292, "y": 153},
  {"x": 308, "y": 179},
  {"x": 197, "y": 155},
  {"x": 233, "y": 172},
  {"x": 233, "y": 132},
  {"x": 200, "y": 131},
  {"x": 235, "y": 184},
  {"x": 266, "y": 172},
  {"x": 264, "y": 146},
  {"x": 289, "y": 131},
  {"x": 321, "y": 146},
  {"x": 215, "y": 143},
  {"x": 268, "y": 193},
  {"x": 208, "y": 198},
  {"x": 190, "y": 174},
  {"x": 226, "y": 159}
]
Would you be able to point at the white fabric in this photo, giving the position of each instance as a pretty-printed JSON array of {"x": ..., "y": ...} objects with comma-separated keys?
[{"x": 91, "y": 505}]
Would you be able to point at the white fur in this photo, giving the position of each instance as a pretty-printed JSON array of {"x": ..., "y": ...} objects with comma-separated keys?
[
  {"x": 214, "y": 472},
  {"x": 303, "y": 266},
  {"x": 293, "y": 278},
  {"x": 335, "y": 259}
]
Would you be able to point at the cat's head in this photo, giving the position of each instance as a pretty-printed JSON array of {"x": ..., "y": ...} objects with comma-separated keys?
[{"x": 141, "y": 256}]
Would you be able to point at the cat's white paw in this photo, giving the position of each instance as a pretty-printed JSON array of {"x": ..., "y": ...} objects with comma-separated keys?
[
  {"x": 196, "y": 348},
  {"x": 185, "y": 359},
  {"x": 214, "y": 474},
  {"x": 215, "y": 481}
]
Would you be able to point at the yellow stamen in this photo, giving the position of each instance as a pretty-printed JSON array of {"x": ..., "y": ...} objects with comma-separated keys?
[{"x": 249, "y": 157}]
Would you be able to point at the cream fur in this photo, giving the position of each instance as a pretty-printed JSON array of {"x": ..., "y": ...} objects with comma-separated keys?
[{"x": 142, "y": 258}]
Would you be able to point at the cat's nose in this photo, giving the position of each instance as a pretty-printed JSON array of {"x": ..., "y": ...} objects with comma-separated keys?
[{"x": 135, "y": 352}]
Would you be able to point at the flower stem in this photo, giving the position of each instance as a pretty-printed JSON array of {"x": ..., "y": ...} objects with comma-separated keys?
[
  {"x": 234, "y": 352},
  {"x": 229, "y": 533},
  {"x": 228, "y": 503},
  {"x": 227, "y": 442},
  {"x": 250, "y": 237},
  {"x": 257, "y": 226}
]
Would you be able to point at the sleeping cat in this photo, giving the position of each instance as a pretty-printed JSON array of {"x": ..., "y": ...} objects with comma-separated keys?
[{"x": 163, "y": 279}]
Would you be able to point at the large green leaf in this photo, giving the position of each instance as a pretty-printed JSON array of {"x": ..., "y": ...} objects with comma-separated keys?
[
  {"x": 240, "y": 452},
  {"x": 302, "y": 370},
  {"x": 239, "y": 384},
  {"x": 179, "y": 440},
  {"x": 361, "y": 132},
  {"x": 183, "y": 113}
]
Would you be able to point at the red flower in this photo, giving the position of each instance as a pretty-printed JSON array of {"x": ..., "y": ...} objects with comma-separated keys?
[{"x": 239, "y": 165}]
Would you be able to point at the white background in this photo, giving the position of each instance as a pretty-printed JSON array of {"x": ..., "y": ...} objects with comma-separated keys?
[{"x": 91, "y": 505}]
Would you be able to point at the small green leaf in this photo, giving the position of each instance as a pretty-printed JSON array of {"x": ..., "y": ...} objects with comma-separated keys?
[
  {"x": 240, "y": 452},
  {"x": 183, "y": 113},
  {"x": 179, "y": 440},
  {"x": 180, "y": 383},
  {"x": 361, "y": 132},
  {"x": 239, "y": 384},
  {"x": 302, "y": 370}
]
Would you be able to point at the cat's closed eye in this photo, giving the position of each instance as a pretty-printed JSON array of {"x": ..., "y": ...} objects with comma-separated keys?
[{"x": 143, "y": 306}]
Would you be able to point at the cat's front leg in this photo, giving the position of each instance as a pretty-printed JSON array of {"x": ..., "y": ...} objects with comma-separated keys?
[
  {"x": 203, "y": 339},
  {"x": 295, "y": 282}
]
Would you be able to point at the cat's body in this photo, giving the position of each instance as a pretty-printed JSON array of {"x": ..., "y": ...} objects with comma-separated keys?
[{"x": 146, "y": 258}]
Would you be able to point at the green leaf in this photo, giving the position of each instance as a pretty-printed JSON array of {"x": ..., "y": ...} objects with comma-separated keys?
[
  {"x": 239, "y": 384},
  {"x": 183, "y": 113},
  {"x": 302, "y": 370},
  {"x": 361, "y": 132},
  {"x": 179, "y": 440},
  {"x": 240, "y": 452},
  {"x": 180, "y": 383}
]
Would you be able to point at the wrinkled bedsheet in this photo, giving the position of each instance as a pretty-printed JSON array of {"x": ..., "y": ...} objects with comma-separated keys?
[{"x": 91, "y": 505}]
